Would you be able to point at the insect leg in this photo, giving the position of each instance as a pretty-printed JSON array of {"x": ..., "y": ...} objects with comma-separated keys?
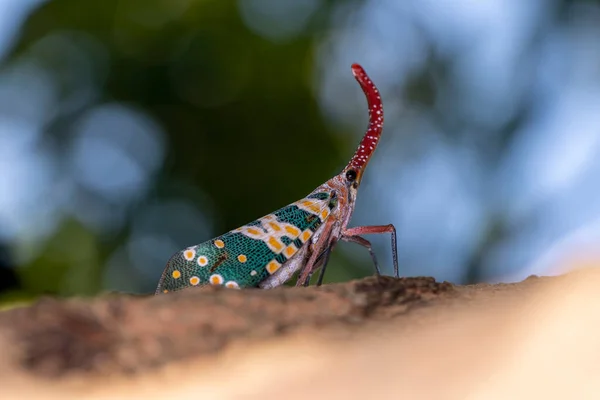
[
  {"x": 349, "y": 235},
  {"x": 321, "y": 262},
  {"x": 365, "y": 243},
  {"x": 325, "y": 260},
  {"x": 318, "y": 248}
]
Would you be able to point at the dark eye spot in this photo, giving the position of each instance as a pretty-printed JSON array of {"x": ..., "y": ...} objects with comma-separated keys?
[{"x": 351, "y": 175}]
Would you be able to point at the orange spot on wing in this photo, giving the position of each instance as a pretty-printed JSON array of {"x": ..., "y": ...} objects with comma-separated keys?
[
  {"x": 273, "y": 266},
  {"x": 275, "y": 243},
  {"x": 194, "y": 280},
  {"x": 189, "y": 254},
  {"x": 290, "y": 251},
  {"x": 324, "y": 214},
  {"x": 292, "y": 231},
  {"x": 306, "y": 235},
  {"x": 219, "y": 244},
  {"x": 275, "y": 226},
  {"x": 176, "y": 274},
  {"x": 242, "y": 258},
  {"x": 311, "y": 206},
  {"x": 202, "y": 261},
  {"x": 216, "y": 279},
  {"x": 253, "y": 231}
]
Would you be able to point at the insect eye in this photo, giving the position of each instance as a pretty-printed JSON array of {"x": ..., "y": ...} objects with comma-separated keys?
[{"x": 351, "y": 175}]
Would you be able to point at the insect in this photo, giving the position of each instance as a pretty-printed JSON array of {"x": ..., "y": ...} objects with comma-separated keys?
[{"x": 266, "y": 252}]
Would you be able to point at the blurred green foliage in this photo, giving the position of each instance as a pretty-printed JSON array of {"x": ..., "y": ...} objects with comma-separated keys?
[{"x": 241, "y": 121}]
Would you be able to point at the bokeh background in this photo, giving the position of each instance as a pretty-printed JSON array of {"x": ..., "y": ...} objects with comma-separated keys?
[{"x": 130, "y": 129}]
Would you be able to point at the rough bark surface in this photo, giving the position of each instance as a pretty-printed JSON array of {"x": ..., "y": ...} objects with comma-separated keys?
[
  {"x": 229, "y": 343},
  {"x": 130, "y": 334}
]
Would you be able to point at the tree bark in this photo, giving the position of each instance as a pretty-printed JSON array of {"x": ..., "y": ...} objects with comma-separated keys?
[{"x": 380, "y": 338}]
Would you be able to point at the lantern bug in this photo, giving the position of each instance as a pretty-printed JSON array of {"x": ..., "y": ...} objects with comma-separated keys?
[{"x": 265, "y": 253}]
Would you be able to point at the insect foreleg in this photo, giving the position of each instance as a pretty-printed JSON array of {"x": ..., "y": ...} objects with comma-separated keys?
[
  {"x": 324, "y": 242},
  {"x": 325, "y": 260},
  {"x": 320, "y": 263}
]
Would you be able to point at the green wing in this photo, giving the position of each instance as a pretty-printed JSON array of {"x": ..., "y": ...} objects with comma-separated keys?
[{"x": 247, "y": 255}]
